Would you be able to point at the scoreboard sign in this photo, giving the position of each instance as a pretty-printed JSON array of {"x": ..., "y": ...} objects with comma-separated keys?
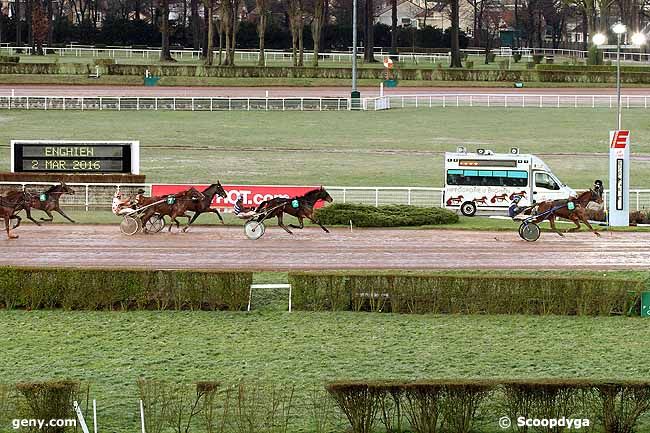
[
  {"x": 75, "y": 156},
  {"x": 619, "y": 178}
]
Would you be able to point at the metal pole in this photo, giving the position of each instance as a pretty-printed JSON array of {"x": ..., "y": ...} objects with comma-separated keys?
[
  {"x": 618, "y": 80},
  {"x": 354, "y": 45}
]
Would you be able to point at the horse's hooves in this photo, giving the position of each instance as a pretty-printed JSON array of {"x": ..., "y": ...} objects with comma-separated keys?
[
  {"x": 13, "y": 236},
  {"x": 597, "y": 234}
]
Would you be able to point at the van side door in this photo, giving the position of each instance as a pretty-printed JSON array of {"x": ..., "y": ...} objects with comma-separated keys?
[{"x": 546, "y": 187}]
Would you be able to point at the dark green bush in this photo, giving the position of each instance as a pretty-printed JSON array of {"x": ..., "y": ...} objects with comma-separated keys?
[
  {"x": 516, "y": 57},
  {"x": 594, "y": 56},
  {"x": 49, "y": 400},
  {"x": 461, "y": 294},
  {"x": 98, "y": 289},
  {"x": 490, "y": 57},
  {"x": 384, "y": 216},
  {"x": 537, "y": 58},
  {"x": 469, "y": 64}
]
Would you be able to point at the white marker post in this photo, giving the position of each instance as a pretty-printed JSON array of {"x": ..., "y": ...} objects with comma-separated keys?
[
  {"x": 619, "y": 178},
  {"x": 80, "y": 417}
]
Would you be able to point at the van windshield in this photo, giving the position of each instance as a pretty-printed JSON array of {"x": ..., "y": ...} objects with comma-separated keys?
[
  {"x": 515, "y": 178},
  {"x": 544, "y": 180}
]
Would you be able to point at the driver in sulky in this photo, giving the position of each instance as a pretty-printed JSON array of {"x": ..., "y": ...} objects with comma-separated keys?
[{"x": 241, "y": 210}]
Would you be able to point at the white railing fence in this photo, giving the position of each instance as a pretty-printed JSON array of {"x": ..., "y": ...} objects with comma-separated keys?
[
  {"x": 138, "y": 103},
  {"x": 443, "y": 100},
  {"x": 506, "y": 100},
  {"x": 94, "y": 196}
]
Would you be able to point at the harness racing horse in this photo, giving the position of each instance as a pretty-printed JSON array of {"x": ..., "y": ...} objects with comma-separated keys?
[
  {"x": 174, "y": 205},
  {"x": 300, "y": 207},
  {"x": 48, "y": 201},
  {"x": 203, "y": 205},
  {"x": 10, "y": 205},
  {"x": 560, "y": 208}
]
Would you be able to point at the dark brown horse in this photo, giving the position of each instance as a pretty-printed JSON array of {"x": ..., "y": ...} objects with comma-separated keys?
[
  {"x": 48, "y": 201},
  {"x": 173, "y": 205},
  {"x": 203, "y": 206},
  {"x": 300, "y": 207},
  {"x": 561, "y": 208},
  {"x": 10, "y": 205}
]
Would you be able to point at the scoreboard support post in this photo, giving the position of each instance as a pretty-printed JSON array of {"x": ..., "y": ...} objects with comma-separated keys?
[{"x": 619, "y": 178}]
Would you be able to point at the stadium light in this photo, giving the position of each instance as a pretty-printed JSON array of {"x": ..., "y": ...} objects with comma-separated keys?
[
  {"x": 638, "y": 39},
  {"x": 619, "y": 28},
  {"x": 599, "y": 39}
]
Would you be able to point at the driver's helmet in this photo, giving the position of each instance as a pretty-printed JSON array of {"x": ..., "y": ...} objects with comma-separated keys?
[{"x": 516, "y": 199}]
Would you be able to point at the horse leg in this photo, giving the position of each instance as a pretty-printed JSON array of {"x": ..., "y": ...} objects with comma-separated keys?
[
  {"x": 58, "y": 209},
  {"x": 219, "y": 215},
  {"x": 29, "y": 217},
  {"x": 575, "y": 221},
  {"x": 9, "y": 234},
  {"x": 190, "y": 220},
  {"x": 319, "y": 224},
  {"x": 301, "y": 226},
  {"x": 584, "y": 219},
  {"x": 49, "y": 214},
  {"x": 551, "y": 220},
  {"x": 281, "y": 224},
  {"x": 18, "y": 220}
]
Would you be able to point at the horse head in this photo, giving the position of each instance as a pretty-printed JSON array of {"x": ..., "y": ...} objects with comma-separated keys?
[
  {"x": 65, "y": 189},
  {"x": 220, "y": 191},
  {"x": 324, "y": 195}
]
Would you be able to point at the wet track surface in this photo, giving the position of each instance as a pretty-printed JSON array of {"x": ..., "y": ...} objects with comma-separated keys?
[{"x": 213, "y": 247}]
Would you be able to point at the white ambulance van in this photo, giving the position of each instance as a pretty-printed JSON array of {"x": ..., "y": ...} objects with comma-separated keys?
[{"x": 489, "y": 181}]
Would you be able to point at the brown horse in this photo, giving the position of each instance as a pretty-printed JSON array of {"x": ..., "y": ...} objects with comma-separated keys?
[
  {"x": 300, "y": 207},
  {"x": 560, "y": 208},
  {"x": 173, "y": 205},
  {"x": 10, "y": 205},
  {"x": 203, "y": 206},
  {"x": 48, "y": 201}
]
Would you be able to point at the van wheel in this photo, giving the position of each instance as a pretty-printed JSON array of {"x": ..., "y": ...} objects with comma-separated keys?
[{"x": 468, "y": 208}]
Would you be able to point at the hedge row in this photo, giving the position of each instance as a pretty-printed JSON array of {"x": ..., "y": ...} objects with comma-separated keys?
[
  {"x": 565, "y": 73},
  {"x": 468, "y": 294},
  {"x": 592, "y": 68},
  {"x": 384, "y": 216},
  {"x": 463, "y": 406},
  {"x": 100, "y": 289}
]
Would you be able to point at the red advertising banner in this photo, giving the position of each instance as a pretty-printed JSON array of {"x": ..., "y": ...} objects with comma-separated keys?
[{"x": 252, "y": 195}]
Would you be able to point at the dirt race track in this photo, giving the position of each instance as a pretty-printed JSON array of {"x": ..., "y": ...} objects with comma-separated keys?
[{"x": 211, "y": 247}]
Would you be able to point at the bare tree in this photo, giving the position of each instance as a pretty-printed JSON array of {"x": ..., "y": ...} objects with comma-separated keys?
[
  {"x": 316, "y": 27},
  {"x": 195, "y": 24},
  {"x": 39, "y": 26},
  {"x": 209, "y": 24},
  {"x": 295, "y": 12},
  {"x": 369, "y": 33},
  {"x": 262, "y": 12},
  {"x": 165, "y": 52},
  {"x": 455, "y": 30},
  {"x": 393, "y": 26}
]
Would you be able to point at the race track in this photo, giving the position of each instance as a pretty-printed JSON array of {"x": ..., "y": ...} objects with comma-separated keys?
[{"x": 214, "y": 247}]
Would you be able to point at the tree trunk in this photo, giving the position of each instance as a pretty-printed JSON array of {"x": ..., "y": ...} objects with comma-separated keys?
[
  {"x": 234, "y": 28},
  {"x": 393, "y": 26},
  {"x": 195, "y": 24},
  {"x": 455, "y": 43},
  {"x": 316, "y": 26},
  {"x": 210, "y": 31},
  {"x": 261, "y": 29},
  {"x": 204, "y": 50},
  {"x": 19, "y": 29},
  {"x": 165, "y": 53},
  {"x": 369, "y": 37},
  {"x": 301, "y": 32},
  {"x": 50, "y": 25}
]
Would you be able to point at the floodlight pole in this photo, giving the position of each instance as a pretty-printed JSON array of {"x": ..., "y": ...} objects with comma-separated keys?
[
  {"x": 618, "y": 80},
  {"x": 354, "y": 46}
]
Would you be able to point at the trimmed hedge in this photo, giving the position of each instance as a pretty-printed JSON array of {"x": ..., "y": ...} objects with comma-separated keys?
[
  {"x": 456, "y": 294},
  {"x": 9, "y": 59},
  {"x": 47, "y": 401},
  {"x": 107, "y": 289},
  {"x": 384, "y": 216},
  {"x": 459, "y": 406}
]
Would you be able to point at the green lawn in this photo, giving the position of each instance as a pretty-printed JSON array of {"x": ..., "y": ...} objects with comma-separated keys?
[
  {"x": 391, "y": 148},
  {"x": 112, "y": 349}
]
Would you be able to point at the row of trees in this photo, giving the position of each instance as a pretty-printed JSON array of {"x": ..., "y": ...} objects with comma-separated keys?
[{"x": 299, "y": 24}]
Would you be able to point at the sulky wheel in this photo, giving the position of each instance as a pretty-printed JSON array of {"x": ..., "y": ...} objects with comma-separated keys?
[
  {"x": 155, "y": 224},
  {"x": 254, "y": 230},
  {"x": 468, "y": 208},
  {"x": 529, "y": 232},
  {"x": 130, "y": 226}
]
